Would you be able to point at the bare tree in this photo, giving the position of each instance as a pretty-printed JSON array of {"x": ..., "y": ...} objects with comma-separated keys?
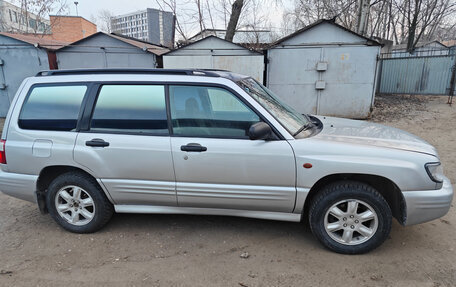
[
  {"x": 423, "y": 17},
  {"x": 200, "y": 15},
  {"x": 209, "y": 12},
  {"x": 180, "y": 15},
  {"x": 104, "y": 20},
  {"x": 305, "y": 12},
  {"x": 255, "y": 19},
  {"x": 223, "y": 10},
  {"x": 257, "y": 22},
  {"x": 403, "y": 21},
  {"x": 35, "y": 12},
  {"x": 236, "y": 10},
  {"x": 363, "y": 16}
]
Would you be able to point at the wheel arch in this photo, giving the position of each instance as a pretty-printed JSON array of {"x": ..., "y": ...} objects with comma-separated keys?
[
  {"x": 386, "y": 187},
  {"x": 49, "y": 173}
]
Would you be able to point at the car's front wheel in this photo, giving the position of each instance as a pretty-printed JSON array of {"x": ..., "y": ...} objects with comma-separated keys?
[
  {"x": 350, "y": 217},
  {"x": 77, "y": 203}
]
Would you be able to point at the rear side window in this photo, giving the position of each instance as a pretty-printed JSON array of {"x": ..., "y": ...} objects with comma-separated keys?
[
  {"x": 131, "y": 109},
  {"x": 52, "y": 108}
]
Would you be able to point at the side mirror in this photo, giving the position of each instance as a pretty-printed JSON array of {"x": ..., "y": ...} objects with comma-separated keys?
[{"x": 260, "y": 131}]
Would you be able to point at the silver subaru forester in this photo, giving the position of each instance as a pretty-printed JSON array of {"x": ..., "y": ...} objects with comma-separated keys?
[{"x": 84, "y": 144}]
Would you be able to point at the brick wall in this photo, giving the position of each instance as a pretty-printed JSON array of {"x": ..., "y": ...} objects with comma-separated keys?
[
  {"x": 71, "y": 28},
  {"x": 88, "y": 28}
]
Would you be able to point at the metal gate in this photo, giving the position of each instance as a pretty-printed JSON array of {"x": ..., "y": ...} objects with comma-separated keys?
[{"x": 417, "y": 75}]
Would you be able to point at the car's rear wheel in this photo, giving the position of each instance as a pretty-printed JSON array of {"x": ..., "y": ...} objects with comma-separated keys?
[
  {"x": 77, "y": 203},
  {"x": 350, "y": 217}
]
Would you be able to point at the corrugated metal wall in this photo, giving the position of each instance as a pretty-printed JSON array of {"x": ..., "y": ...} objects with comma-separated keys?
[
  {"x": 429, "y": 75},
  {"x": 102, "y": 51},
  {"x": 244, "y": 64},
  {"x": 215, "y": 53},
  {"x": 19, "y": 60},
  {"x": 325, "y": 71}
]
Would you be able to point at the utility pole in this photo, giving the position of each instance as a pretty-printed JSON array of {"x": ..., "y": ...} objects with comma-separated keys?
[
  {"x": 363, "y": 16},
  {"x": 76, "y": 4}
]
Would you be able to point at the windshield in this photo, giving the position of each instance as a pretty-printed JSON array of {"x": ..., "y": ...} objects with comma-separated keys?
[{"x": 287, "y": 116}]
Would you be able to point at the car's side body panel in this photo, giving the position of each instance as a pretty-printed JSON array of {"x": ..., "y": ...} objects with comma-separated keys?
[
  {"x": 135, "y": 169},
  {"x": 403, "y": 168},
  {"x": 282, "y": 216},
  {"x": 235, "y": 174}
]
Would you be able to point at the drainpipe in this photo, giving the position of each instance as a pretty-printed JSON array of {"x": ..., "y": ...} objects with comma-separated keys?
[
  {"x": 452, "y": 84},
  {"x": 105, "y": 57},
  {"x": 377, "y": 81},
  {"x": 3, "y": 85},
  {"x": 320, "y": 85},
  {"x": 265, "y": 70}
]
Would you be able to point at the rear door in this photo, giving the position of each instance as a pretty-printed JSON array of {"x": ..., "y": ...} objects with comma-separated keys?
[
  {"x": 125, "y": 142},
  {"x": 216, "y": 164}
]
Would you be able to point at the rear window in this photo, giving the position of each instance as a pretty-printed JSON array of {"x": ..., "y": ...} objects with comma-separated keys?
[
  {"x": 52, "y": 108},
  {"x": 131, "y": 109}
]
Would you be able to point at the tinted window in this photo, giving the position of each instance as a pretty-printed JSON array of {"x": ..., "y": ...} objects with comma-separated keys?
[
  {"x": 209, "y": 111},
  {"x": 287, "y": 116},
  {"x": 131, "y": 108},
  {"x": 52, "y": 108}
]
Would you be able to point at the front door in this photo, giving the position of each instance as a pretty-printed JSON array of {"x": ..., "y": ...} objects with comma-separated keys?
[
  {"x": 127, "y": 145},
  {"x": 216, "y": 164}
]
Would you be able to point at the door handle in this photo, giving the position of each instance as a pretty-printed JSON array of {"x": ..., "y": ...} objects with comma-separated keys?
[
  {"x": 97, "y": 143},
  {"x": 193, "y": 147}
]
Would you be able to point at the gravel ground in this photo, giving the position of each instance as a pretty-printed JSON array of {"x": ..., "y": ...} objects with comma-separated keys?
[{"x": 175, "y": 250}]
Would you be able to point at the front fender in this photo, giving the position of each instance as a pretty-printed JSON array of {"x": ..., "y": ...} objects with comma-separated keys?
[{"x": 404, "y": 168}]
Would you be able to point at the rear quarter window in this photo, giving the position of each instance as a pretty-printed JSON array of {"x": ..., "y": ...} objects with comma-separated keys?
[{"x": 52, "y": 108}]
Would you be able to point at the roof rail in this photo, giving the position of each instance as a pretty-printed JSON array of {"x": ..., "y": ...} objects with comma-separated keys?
[
  {"x": 188, "y": 72},
  {"x": 213, "y": 70}
]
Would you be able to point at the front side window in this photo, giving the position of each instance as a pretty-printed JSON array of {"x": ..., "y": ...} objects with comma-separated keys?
[
  {"x": 131, "y": 109},
  {"x": 287, "y": 116},
  {"x": 52, "y": 108},
  {"x": 209, "y": 112}
]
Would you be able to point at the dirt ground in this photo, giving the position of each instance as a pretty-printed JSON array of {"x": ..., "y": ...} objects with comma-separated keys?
[{"x": 177, "y": 250}]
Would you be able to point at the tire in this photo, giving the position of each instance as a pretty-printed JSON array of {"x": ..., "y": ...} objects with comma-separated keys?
[
  {"x": 340, "y": 220},
  {"x": 91, "y": 209}
]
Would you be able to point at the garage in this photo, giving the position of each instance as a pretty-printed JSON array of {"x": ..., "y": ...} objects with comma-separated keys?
[
  {"x": 325, "y": 69},
  {"x": 215, "y": 53}
]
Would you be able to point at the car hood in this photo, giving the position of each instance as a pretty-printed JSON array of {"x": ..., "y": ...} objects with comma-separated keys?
[{"x": 366, "y": 133}]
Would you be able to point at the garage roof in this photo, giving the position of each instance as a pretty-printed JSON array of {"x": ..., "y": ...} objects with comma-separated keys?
[
  {"x": 42, "y": 41},
  {"x": 146, "y": 46},
  {"x": 233, "y": 46},
  {"x": 369, "y": 41}
]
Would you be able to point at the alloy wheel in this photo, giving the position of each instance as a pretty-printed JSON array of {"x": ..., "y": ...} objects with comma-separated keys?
[
  {"x": 351, "y": 222},
  {"x": 75, "y": 205}
]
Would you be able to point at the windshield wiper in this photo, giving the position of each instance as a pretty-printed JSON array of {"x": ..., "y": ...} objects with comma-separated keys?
[{"x": 303, "y": 128}]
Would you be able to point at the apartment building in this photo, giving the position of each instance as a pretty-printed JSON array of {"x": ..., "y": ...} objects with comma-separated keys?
[
  {"x": 15, "y": 19},
  {"x": 151, "y": 25}
]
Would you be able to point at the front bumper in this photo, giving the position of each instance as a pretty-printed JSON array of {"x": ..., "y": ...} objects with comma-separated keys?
[{"x": 427, "y": 205}]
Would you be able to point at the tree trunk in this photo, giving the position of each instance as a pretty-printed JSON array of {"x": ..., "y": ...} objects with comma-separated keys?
[
  {"x": 234, "y": 18},
  {"x": 413, "y": 27},
  {"x": 363, "y": 16},
  {"x": 200, "y": 16}
]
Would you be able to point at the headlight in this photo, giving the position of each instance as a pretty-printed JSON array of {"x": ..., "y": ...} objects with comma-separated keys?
[{"x": 435, "y": 171}]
